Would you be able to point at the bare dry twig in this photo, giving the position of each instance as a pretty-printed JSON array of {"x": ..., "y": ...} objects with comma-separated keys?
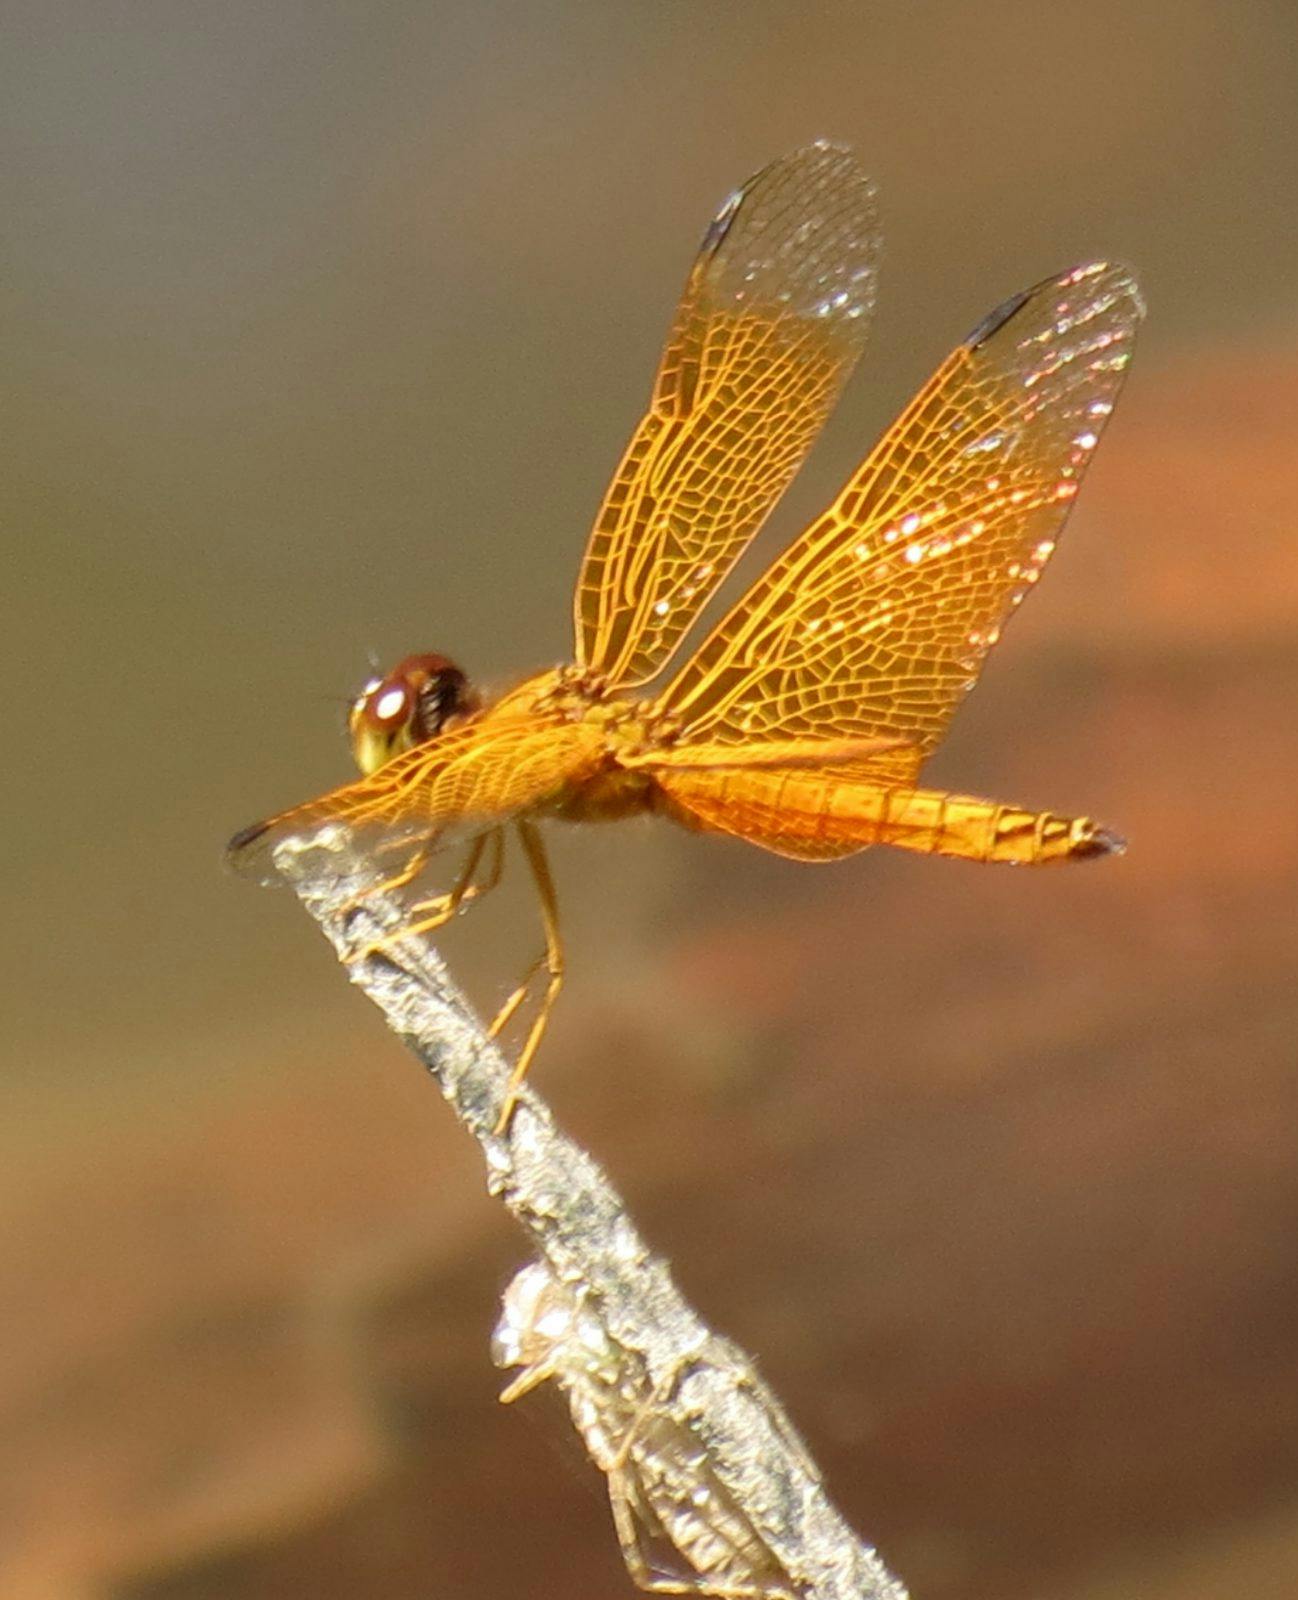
[{"x": 712, "y": 1490}]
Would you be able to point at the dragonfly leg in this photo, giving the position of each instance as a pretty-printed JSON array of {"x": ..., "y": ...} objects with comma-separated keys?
[
  {"x": 415, "y": 863},
  {"x": 426, "y": 916},
  {"x": 503, "y": 1017},
  {"x": 551, "y": 962},
  {"x": 464, "y": 891}
]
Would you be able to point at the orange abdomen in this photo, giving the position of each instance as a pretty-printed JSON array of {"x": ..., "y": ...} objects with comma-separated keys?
[{"x": 818, "y": 816}]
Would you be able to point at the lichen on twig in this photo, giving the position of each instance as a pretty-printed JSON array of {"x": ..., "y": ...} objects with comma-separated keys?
[{"x": 712, "y": 1490}]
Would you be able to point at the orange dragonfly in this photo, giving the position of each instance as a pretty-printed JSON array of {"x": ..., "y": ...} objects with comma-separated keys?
[{"x": 802, "y": 721}]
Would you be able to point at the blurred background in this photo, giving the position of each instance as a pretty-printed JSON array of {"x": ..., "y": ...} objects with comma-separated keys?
[{"x": 324, "y": 326}]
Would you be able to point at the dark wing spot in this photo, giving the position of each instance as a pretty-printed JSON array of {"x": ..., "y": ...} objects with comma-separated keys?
[
  {"x": 245, "y": 836},
  {"x": 998, "y": 318},
  {"x": 719, "y": 227}
]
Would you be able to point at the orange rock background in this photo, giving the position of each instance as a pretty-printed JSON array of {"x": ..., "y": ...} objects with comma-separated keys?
[{"x": 323, "y": 332}]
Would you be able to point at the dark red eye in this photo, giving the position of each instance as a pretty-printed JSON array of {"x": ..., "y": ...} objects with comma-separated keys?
[
  {"x": 410, "y": 704},
  {"x": 388, "y": 704}
]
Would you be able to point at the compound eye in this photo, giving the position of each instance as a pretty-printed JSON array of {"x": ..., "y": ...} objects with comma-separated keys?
[{"x": 388, "y": 706}]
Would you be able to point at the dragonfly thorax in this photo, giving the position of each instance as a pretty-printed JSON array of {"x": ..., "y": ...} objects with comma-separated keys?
[{"x": 405, "y": 707}]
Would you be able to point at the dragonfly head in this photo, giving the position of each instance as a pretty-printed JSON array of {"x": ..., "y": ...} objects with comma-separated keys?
[{"x": 406, "y": 707}]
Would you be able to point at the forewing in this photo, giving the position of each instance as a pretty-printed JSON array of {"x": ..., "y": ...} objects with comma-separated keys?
[
  {"x": 875, "y": 622},
  {"x": 771, "y": 322},
  {"x": 440, "y": 792}
]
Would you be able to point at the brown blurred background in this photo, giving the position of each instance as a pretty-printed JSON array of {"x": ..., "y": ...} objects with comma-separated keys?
[{"x": 323, "y": 328}]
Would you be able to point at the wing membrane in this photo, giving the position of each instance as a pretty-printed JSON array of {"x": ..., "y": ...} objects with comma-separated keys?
[
  {"x": 771, "y": 322},
  {"x": 874, "y": 624},
  {"x": 451, "y": 787}
]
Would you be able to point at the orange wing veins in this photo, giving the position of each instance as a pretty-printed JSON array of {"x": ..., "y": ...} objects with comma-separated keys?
[
  {"x": 442, "y": 792},
  {"x": 771, "y": 322},
  {"x": 874, "y": 624}
]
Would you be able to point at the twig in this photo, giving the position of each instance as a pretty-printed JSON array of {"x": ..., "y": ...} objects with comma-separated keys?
[{"x": 712, "y": 1490}]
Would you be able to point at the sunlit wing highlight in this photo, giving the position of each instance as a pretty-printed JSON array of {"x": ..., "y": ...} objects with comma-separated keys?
[
  {"x": 875, "y": 622},
  {"x": 770, "y": 325}
]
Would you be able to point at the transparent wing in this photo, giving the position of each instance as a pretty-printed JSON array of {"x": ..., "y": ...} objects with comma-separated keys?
[
  {"x": 875, "y": 622},
  {"x": 451, "y": 787},
  {"x": 771, "y": 322}
]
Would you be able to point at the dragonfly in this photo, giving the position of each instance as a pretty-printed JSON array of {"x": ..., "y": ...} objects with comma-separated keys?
[{"x": 802, "y": 720}]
